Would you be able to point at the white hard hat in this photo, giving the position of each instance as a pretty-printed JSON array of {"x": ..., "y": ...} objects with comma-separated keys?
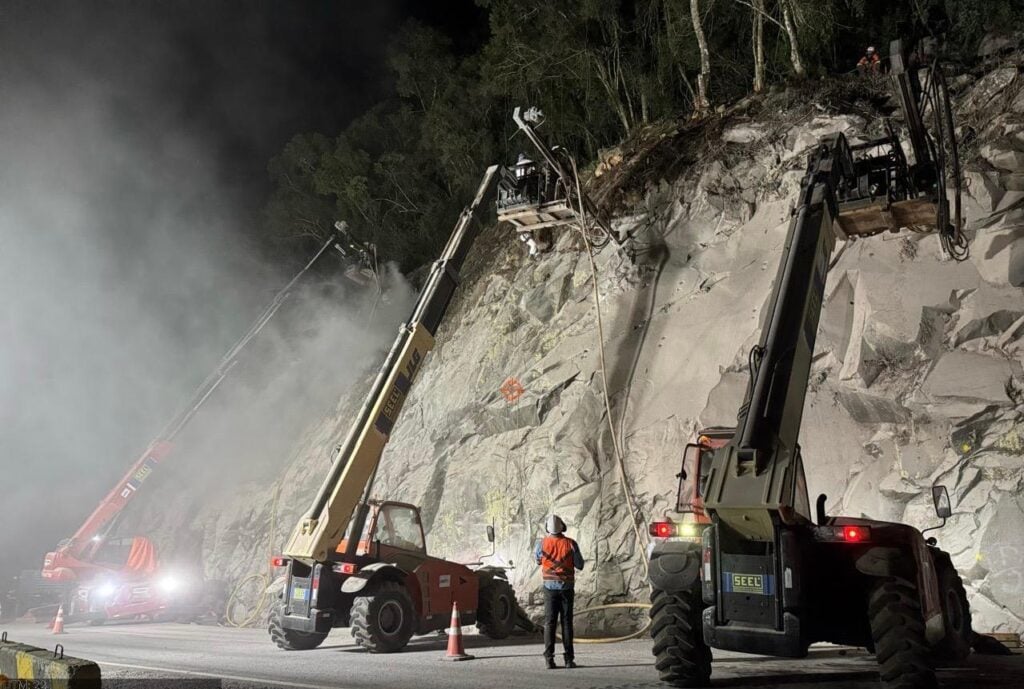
[
  {"x": 871, "y": 48},
  {"x": 554, "y": 524}
]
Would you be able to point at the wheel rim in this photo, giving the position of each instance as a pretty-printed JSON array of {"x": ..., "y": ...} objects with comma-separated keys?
[
  {"x": 504, "y": 608},
  {"x": 390, "y": 618}
]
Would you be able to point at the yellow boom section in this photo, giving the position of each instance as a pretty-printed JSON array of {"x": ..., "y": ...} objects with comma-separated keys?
[
  {"x": 351, "y": 475},
  {"x": 317, "y": 534}
]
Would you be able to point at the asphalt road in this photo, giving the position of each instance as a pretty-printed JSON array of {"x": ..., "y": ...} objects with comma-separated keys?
[{"x": 136, "y": 654}]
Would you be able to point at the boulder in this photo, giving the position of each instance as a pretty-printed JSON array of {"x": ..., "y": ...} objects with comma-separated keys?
[
  {"x": 994, "y": 43},
  {"x": 984, "y": 91},
  {"x": 999, "y": 255},
  {"x": 970, "y": 377},
  {"x": 1003, "y": 154},
  {"x": 871, "y": 409},
  {"x": 744, "y": 133},
  {"x": 1002, "y": 553}
]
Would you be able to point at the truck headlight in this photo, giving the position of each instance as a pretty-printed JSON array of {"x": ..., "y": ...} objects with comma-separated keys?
[{"x": 169, "y": 584}]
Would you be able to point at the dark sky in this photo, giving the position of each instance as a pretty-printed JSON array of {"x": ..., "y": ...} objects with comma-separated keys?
[
  {"x": 134, "y": 140},
  {"x": 242, "y": 75}
]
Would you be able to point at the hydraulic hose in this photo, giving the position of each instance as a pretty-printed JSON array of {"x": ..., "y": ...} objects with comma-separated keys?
[{"x": 611, "y": 639}]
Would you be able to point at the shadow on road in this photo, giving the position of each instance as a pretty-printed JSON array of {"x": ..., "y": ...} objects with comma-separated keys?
[
  {"x": 438, "y": 644},
  {"x": 816, "y": 678}
]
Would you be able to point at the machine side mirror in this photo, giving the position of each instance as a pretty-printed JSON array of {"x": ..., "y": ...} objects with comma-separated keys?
[
  {"x": 490, "y": 534},
  {"x": 940, "y": 496}
]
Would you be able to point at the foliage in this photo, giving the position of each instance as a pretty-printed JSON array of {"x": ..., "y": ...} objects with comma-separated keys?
[{"x": 599, "y": 69}]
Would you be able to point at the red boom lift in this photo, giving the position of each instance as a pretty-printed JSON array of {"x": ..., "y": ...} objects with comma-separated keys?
[{"x": 99, "y": 577}]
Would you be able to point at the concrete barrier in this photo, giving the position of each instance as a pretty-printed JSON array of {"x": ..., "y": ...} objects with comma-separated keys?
[{"x": 49, "y": 668}]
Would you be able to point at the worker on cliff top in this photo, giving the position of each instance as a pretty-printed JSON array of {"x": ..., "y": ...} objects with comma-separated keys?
[
  {"x": 559, "y": 557},
  {"x": 870, "y": 63}
]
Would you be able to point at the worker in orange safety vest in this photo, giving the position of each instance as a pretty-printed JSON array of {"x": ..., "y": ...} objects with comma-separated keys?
[
  {"x": 870, "y": 63},
  {"x": 559, "y": 557}
]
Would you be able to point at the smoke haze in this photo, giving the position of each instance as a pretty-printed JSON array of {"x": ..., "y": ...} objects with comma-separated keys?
[{"x": 127, "y": 268}]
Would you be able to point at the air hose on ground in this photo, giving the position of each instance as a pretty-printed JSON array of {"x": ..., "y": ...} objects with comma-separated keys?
[
  {"x": 256, "y": 612},
  {"x": 612, "y": 639}
]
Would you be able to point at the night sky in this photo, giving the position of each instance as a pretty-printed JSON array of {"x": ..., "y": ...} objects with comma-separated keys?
[{"x": 242, "y": 75}]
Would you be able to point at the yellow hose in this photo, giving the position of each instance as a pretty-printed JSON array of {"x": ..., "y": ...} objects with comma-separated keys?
[
  {"x": 264, "y": 579},
  {"x": 261, "y": 602}
]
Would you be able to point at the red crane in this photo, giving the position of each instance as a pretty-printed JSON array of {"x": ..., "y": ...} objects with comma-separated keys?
[{"x": 116, "y": 578}]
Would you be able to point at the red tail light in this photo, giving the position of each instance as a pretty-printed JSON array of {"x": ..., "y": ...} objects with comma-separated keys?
[
  {"x": 662, "y": 529},
  {"x": 345, "y": 568},
  {"x": 855, "y": 534},
  {"x": 278, "y": 561},
  {"x": 846, "y": 533}
]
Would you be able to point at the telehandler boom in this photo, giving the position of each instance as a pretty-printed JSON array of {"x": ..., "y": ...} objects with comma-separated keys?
[{"x": 354, "y": 561}]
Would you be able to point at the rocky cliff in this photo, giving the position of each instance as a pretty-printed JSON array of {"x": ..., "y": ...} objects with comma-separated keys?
[{"x": 918, "y": 378}]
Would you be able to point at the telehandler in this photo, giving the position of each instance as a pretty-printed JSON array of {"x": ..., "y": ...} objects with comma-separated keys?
[
  {"x": 755, "y": 569},
  {"x": 357, "y": 562}
]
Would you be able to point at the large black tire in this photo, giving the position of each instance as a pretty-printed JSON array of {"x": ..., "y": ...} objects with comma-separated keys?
[
  {"x": 897, "y": 628},
  {"x": 291, "y": 639},
  {"x": 956, "y": 614},
  {"x": 681, "y": 656},
  {"x": 383, "y": 620},
  {"x": 496, "y": 610}
]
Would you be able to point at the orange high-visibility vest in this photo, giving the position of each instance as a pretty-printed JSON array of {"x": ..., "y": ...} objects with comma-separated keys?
[{"x": 556, "y": 559}]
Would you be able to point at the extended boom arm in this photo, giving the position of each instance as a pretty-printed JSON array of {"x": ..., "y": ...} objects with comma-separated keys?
[
  {"x": 355, "y": 465},
  {"x": 91, "y": 533},
  {"x": 752, "y": 477}
]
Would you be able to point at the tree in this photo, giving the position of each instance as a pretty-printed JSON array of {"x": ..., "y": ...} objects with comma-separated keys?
[
  {"x": 296, "y": 210},
  {"x": 758, "y": 45},
  {"x": 794, "y": 44},
  {"x": 703, "y": 103}
]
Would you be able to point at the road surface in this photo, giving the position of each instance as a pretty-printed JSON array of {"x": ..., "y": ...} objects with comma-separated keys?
[{"x": 136, "y": 654}]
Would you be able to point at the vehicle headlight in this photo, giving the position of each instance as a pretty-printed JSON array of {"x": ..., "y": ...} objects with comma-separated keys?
[
  {"x": 169, "y": 584},
  {"x": 106, "y": 590}
]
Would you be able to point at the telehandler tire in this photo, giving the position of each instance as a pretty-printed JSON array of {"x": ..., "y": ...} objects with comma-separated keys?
[
  {"x": 897, "y": 628},
  {"x": 384, "y": 619},
  {"x": 291, "y": 639},
  {"x": 956, "y": 613},
  {"x": 681, "y": 656},
  {"x": 496, "y": 610}
]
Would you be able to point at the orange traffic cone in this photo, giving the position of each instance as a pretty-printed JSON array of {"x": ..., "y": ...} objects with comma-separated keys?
[
  {"x": 58, "y": 622},
  {"x": 456, "y": 651}
]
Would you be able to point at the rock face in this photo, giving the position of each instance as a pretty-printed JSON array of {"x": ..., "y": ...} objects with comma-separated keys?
[{"x": 918, "y": 378}]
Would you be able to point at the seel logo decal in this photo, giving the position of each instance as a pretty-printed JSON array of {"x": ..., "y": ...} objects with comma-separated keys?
[{"x": 759, "y": 584}]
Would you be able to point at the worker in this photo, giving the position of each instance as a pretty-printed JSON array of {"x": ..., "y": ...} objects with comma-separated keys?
[
  {"x": 870, "y": 63},
  {"x": 559, "y": 557},
  {"x": 536, "y": 242}
]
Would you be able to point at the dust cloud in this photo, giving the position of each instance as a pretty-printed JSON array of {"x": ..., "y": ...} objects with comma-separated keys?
[{"x": 127, "y": 267}]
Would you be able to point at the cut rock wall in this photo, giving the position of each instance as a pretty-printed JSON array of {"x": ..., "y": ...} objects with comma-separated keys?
[{"x": 918, "y": 378}]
